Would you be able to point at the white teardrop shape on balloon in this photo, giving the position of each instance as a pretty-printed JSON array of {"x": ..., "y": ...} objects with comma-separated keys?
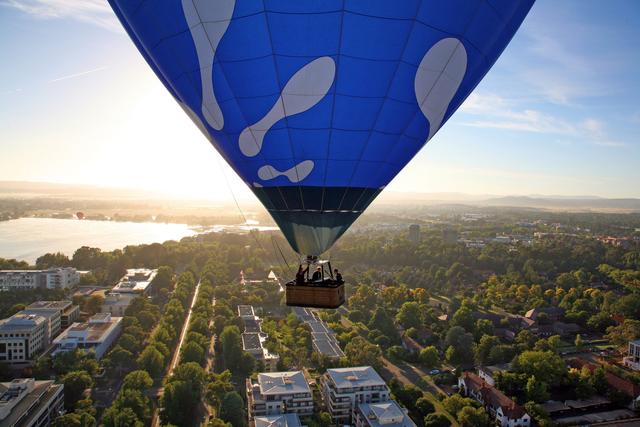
[
  {"x": 295, "y": 174},
  {"x": 304, "y": 89},
  {"x": 208, "y": 22},
  {"x": 438, "y": 78}
]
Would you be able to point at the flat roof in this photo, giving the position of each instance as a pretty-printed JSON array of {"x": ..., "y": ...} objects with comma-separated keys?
[
  {"x": 318, "y": 326},
  {"x": 251, "y": 325},
  {"x": 95, "y": 332},
  {"x": 251, "y": 341},
  {"x": 136, "y": 280},
  {"x": 40, "y": 396},
  {"x": 21, "y": 321},
  {"x": 55, "y": 305},
  {"x": 284, "y": 420},
  {"x": 359, "y": 376},
  {"x": 328, "y": 348},
  {"x": 245, "y": 310},
  {"x": 291, "y": 382},
  {"x": 387, "y": 414}
]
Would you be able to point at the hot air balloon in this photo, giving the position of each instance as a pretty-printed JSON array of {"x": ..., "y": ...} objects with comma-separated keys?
[{"x": 318, "y": 104}]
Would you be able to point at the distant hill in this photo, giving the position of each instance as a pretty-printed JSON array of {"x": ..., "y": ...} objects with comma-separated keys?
[{"x": 20, "y": 189}]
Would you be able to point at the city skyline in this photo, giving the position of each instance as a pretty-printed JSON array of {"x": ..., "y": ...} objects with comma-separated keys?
[{"x": 555, "y": 115}]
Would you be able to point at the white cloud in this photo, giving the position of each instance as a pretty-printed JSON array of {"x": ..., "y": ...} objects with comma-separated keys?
[
  {"x": 494, "y": 111},
  {"x": 96, "y": 12}
]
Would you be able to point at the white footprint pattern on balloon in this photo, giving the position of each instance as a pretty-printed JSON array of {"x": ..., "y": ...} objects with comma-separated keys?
[
  {"x": 208, "y": 22},
  {"x": 438, "y": 78},
  {"x": 305, "y": 88}
]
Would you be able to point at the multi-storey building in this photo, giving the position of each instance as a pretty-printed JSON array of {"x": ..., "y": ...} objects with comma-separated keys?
[
  {"x": 384, "y": 414},
  {"x": 22, "y": 337},
  {"x": 500, "y": 407},
  {"x": 284, "y": 420},
  {"x": 137, "y": 280},
  {"x": 632, "y": 360},
  {"x": 276, "y": 393},
  {"x": 98, "y": 334},
  {"x": 54, "y": 278},
  {"x": 116, "y": 303},
  {"x": 344, "y": 388},
  {"x": 26, "y": 402},
  {"x": 253, "y": 339}
]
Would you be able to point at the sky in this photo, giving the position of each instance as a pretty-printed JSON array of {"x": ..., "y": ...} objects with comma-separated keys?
[{"x": 556, "y": 115}]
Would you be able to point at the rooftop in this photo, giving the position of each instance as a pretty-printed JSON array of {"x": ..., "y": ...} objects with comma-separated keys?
[
  {"x": 283, "y": 383},
  {"x": 285, "y": 420},
  {"x": 361, "y": 376},
  {"x": 93, "y": 331},
  {"x": 328, "y": 347},
  {"x": 387, "y": 414},
  {"x": 494, "y": 397},
  {"x": 54, "y": 305},
  {"x": 20, "y": 321},
  {"x": 136, "y": 280},
  {"x": 22, "y": 395},
  {"x": 251, "y": 341},
  {"x": 245, "y": 310},
  {"x": 251, "y": 325}
]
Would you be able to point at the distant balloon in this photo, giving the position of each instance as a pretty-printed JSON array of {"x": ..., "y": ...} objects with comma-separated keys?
[
  {"x": 79, "y": 215},
  {"x": 317, "y": 105}
]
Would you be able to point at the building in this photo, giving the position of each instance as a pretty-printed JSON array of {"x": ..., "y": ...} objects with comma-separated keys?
[
  {"x": 344, "y": 388},
  {"x": 284, "y": 420},
  {"x": 384, "y": 414},
  {"x": 615, "y": 382},
  {"x": 553, "y": 314},
  {"x": 22, "y": 337},
  {"x": 414, "y": 233},
  {"x": 277, "y": 393},
  {"x": 137, "y": 280},
  {"x": 26, "y": 402},
  {"x": 506, "y": 412},
  {"x": 324, "y": 342},
  {"x": 53, "y": 322},
  {"x": 69, "y": 312},
  {"x": 488, "y": 373},
  {"x": 54, "y": 278},
  {"x": 632, "y": 360},
  {"x": 98, "y": 334},
  {"x": 116, "y": 303},
  {"x": 253, "y": 339}
]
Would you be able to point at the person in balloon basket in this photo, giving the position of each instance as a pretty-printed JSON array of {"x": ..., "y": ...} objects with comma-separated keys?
[
  {"x": 301, "y": 274},
  {"x": 317, "y": 275},
  {"x": 338, "y": 276}
]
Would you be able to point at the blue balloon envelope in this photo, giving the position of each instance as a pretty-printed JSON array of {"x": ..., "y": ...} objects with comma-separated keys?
[{"x": 318, "y": 104}]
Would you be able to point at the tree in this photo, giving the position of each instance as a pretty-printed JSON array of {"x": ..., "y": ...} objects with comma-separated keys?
[
  {"x": 121, "y": 417},
  {"x": 436, "y": 420},
  {"x": 546, "y": 366},
  {"x": 94, "y": 303},
  {"x": 483, "y": 327},
  {"x": 217, "y": 422},
  {"x": 192, "y": 352},
  {"x": 231, "y": 347},
  {"x": 409, "y": 315},
  {"x": 578, "y": 342},
  {"x": 454, "y": 403},
  {"x": 136, "y": 401},
  {"x": 484, "y": 347},
  {"x": 473, "y": 417},
  {"x": 381, "y": 321},
  {"x": 620, "y": 335},
  {"x": 152, "y": 361},
  {"x": 536, "y": 391},
  {"x": 424, "y": 406},
  {"x": 361, "y": 352},
  {"x": 177, "y": 403},
  {"x": 137, "y": 380},
  {"x": 463, "y": 318},
  {"x": 232, "y": 409},
  {"x": 75, "y": 383},
  {"x": 429, "y": 357}
]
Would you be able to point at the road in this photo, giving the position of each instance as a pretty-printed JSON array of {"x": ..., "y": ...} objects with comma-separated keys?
[
  {"x": 157, "y": 392},
  {"x": 407, "y": 374}
]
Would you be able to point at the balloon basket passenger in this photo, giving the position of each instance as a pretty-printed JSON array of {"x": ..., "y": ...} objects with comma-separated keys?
[{"x": 324, "y": 288}]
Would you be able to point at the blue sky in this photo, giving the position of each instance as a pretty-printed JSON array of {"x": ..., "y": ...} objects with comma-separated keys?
[{"x": 558, "y": 113}]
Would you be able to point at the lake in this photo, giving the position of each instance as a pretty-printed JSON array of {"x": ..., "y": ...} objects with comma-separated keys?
[{"x": 28, "y": 238}]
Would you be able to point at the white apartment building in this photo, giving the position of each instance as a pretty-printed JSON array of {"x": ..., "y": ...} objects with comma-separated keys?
[
  {"x": 98, "y": 334},
  {"x": 116, "y": 303},
  {"x": 385, "y": 414},
  {"x": 284, "y": 420},
  {"x": 54, "y": 278},
  {"x": 344, "y": 388},
  {"x": 632, "y": 360},
  {"x": 53, "y": 322},
  {"x": 137, "y": 280},
  {"x": 276, "y": 393},
  {"x": 26, "y": 402},
  {"x": 22, "y": 337},
  {"x": 253, "y": 338}
]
